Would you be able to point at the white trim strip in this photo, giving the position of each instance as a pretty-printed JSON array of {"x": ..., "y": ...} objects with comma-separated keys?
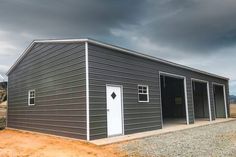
[
  {"x": 199, "y": 80},
  {"x": 209, "y": 100},
  {"x": 62, "y": 40},
  {"x": 87, "y": 91},
  {"x": 226, "y": 111},
  {"x": 208, "y": 95},
  {"x": 7, "y": 106},
  {"x": 114, "y": 48},
  {"x": 186, "y": 99},
  {"x": 171, "y": 75},
  {"x": 185, "y": 90},
  {"x": 160, "y": 101},
  {"x": 224, "y": 92}
]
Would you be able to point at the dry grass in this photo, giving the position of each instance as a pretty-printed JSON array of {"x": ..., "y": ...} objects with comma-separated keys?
[
  {"x": 233, "y": 110},
  {"x": 3, "y": 104},
  {"x": 2, "y": 113},
  {"x": 3, "y": 109}
]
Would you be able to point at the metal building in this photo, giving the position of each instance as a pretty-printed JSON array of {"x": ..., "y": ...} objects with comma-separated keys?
[{"x": 89, "y": 90}]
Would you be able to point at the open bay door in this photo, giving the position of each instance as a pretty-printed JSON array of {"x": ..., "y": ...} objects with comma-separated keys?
[{"x": 220, "y": 101}]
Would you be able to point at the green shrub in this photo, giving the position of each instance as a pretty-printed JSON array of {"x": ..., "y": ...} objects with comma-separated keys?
[{"x": 2, "y": 123}]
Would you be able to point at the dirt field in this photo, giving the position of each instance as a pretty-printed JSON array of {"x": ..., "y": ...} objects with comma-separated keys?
[
  {"x": 212, "y": 140},
  {"x": 233, "y": 110},
  {"x": 25, "y": 144}
]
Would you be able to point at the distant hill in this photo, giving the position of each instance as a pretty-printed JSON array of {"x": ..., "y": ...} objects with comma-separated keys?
[{"x": 233, "y": 99}]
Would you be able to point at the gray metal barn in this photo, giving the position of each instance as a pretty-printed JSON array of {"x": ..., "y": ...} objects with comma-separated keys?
[{"x": 90, "y": 90}]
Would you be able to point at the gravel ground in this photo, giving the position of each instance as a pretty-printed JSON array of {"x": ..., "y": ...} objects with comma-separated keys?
[{"x": 217, "y": 140}]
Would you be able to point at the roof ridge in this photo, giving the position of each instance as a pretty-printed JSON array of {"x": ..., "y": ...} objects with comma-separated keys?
[{"x": 96, "y": 42}]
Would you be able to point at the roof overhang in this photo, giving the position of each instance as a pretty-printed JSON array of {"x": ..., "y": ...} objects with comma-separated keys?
[{"x": 111, "y": 47}]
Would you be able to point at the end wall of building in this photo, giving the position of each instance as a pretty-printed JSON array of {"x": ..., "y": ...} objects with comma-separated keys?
[{"x": 57, "y": 74}]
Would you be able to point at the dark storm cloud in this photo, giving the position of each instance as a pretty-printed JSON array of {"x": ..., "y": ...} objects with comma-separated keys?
[
  {"x": 188, "y": 25},
  {"x": 192, "y": 25},
  {"x": 68, "y": 18}
]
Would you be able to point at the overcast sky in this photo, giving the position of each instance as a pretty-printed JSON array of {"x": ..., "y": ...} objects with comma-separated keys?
[{"x": 197, "y": 33}]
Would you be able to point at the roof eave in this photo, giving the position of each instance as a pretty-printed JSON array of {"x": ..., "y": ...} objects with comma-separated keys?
[
  {"x": 111, "y": 47},
  {"x": 154, "y": 58}
]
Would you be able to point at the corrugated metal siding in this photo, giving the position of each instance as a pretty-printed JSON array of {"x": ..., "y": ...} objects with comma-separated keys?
[
  {"x": 57, "y": 73},
  {"x": 107, "y": 66},
  {"x": 212, "y": 101},
  {"x": 190, "y": 99},
  {"x": 227, "y": 99}
]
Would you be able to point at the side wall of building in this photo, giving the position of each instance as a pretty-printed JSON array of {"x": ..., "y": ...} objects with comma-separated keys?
[
  {"x": 57, "y": 74},
  {"x": 107, "y": 66}
]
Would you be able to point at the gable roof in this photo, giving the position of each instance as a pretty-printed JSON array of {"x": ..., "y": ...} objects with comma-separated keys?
[{"x": 111, "y": 47}]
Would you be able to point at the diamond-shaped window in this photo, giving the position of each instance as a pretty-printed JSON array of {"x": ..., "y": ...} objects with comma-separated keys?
[{"x": 113, "y": 95}]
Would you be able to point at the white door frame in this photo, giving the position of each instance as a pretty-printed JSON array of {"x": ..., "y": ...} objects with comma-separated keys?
[
  {"x": 185, "y": 92},
  {"x": 122, "y": 106},
  {"x": 208, "y": 96},
  {"x": 224, "y": 94}
]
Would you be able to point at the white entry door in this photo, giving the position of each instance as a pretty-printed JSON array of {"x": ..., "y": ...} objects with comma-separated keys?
[{"x": 114, "y": 110}]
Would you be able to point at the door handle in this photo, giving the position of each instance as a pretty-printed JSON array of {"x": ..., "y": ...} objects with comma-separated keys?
[{"x": 108, "y": 110}]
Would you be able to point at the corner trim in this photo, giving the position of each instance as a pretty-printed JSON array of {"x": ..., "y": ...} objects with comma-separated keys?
[
  {"x": 7, "y": 105},
  {"x": 87, "y": 91}
]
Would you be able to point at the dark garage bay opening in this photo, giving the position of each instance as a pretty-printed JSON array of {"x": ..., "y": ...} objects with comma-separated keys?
[
  {"x": 219, "y": 101},
  {"x": 173, "y": 100},
  {"x": 200, "y": 100}
]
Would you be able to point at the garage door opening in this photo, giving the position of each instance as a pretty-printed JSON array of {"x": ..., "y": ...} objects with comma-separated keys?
[
  {"x": 219, "y": 101},
  {"x": 201, "y": 100},
  {"x": 173, "y": 100}
]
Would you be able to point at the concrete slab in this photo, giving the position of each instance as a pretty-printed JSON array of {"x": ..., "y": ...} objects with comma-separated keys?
[
  {"x": 173, "y": 122},
  {"x": 166, "y": 129}
]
